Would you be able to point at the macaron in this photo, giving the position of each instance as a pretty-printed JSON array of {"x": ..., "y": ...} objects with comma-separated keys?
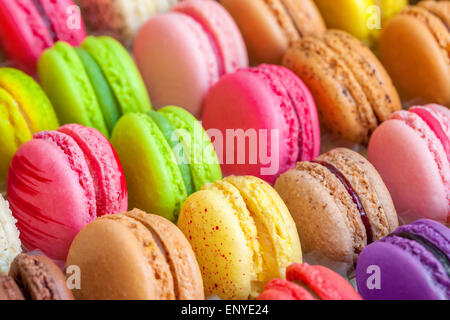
[
  {"x": 265, "y": 108},
  {"x": 121, "y": 19},
  {"x": 363, "y": 19},
  {"x": 415, "y": 49},
  {"x": 166, "y": 156},
  {"x": 9, "y": 290},
  {"x": 28, "y": 27},
  {"x": 242, "y": 234},
  {"x": 10, "y": 245},
  {"x": 92, "y": 85},
  {"x": 60, "y": 181},
  {"x": 270, "y": 27},
  {"x": 181, "y": 54},
  {"x": 413, "y": 263},
  {"x": 24, "y": 110},
  {"x": 411, "y": 151},
  {"x": 135, "y": 256},
  {"x": 38, "y": 278},
  {"x": 339, "y": 204},
  {"x": 306, "y": 282},
  {"x": 353, "y": 91}
]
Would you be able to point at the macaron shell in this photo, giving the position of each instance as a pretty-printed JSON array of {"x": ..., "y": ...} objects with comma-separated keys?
[
  {"x": 401, "y": 274},
  {"x": 121, "y": 72},
  {"x": 220, "y": 230},
  {"x": 426, "y": 82},
  {"x": 396, "y": 146},
  {"x": 152, "y": 187},
  {"x": 66, "y": 20},
  {"x": 105, "y": 243},
  {"x": 305, "y": 107},
  {"x": 185, "y": 270},
  {"x": 269, "y": 211},
  {"x": 371, "y": 191},
  {"x": 266, "y": 41},
  {"x": 220, "y": 25},
  {"x": 189, "y": 67},
  {"x": 31, "y": 99},
  {"x": 110, "y": 186},
  {"x": 280, "y": 289},
  {"x": 69, "y": 89},
  {"x": 23, "y": 32},
  {"x": 14, "y": 131},
  {"x": 315, "y": 197},
  {"x": 203, "y": 162},
  {"x": 325, "y": 283},
  {"x": 246, "y": 93},
  {"x": 41, "y": 173},
  {"x": 39, "y": 278},
  {"x": 9, "y": 290}
]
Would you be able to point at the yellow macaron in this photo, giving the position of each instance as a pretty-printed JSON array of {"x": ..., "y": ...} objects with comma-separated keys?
[
  {"x": 242, "y": 234},
  {"x": 361, "y": 18}
]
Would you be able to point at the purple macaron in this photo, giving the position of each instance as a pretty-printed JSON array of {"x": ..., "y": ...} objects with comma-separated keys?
[{"x": 413, "y": 263}]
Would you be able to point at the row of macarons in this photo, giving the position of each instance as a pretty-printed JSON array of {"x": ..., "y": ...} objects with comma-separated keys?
[
  {"x": 202, "y": 41},
  {"x": 235, "y": 239},
  {"x": 97, "y": 84}
]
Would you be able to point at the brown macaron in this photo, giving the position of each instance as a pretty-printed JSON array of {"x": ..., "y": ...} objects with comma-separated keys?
[
  {"x": 352, "y": 90},
  {"x": 269, "y": 27},
  {"x": 339, "y": 204},
  {"x": 135, "y": 256},
  {"x": 9, "y": 290},
  {"x": 415, "y": 48},
  {"x": 39, "y": 278}
]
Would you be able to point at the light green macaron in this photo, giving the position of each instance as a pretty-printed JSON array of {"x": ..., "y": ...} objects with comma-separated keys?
[
  {"x": 166, "y": 156},
  {"x": 94, "y": 84}
]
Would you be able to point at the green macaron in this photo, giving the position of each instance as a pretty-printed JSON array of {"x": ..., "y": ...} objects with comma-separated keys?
[
  {"x": 93, "y": 85},
  {"x": 158, "y": 153}
]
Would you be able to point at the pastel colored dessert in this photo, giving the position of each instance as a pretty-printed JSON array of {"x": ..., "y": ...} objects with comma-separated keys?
[
  {"x": 339, "y": 204},
  {"x": 411, "y": 151},
  {"x": 181, "y": 54},
  {"x": 121, "y": 19},
  {"x": 242, "y": 234},
  {"x": 24, "y": 110},
  {"x": 10, "y": 245},
  {"x": 361, "y": 18},
  {"x": 134, "y": 256},
  {"x": 175, "y": 158},
  {"x": 28, "y": 27},
  {"x": 413, "y": 263},
  {"x": 415, "y": 48},
  {"x": 60, "y": 181},
  {"x": 353, "y": 91},
  {"x": 269, "y": 27},
  {"x": 34, "y": 277},
  {"x": 271, "y": 106},
  {"x": 305, "y": 282},
  {"x": 93, "y": 85}
]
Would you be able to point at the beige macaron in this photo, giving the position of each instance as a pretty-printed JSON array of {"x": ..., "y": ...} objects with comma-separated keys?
[
  {"x": 135, "y": 256},
  {"x": 339, "y": 204}
]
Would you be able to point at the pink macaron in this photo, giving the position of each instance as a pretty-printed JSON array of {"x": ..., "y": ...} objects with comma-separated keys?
[
  {"x": 181, "y": 54},
  {"x": 262, "y": 121},
  {"x": 28, "y": 27},
  {"x": 59, "y": 182},
  {"x": 411, "y": 151}
]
